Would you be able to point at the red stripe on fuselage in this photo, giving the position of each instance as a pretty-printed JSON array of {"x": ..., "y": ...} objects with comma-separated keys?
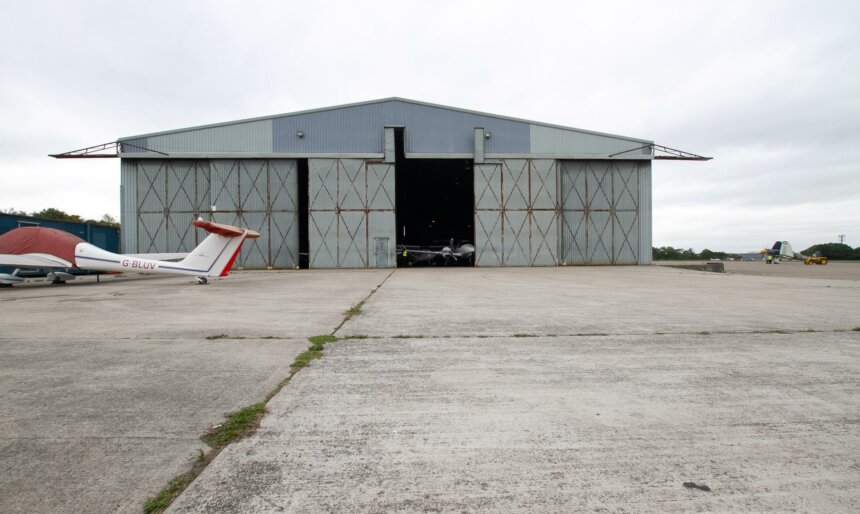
[{"x": 226, "y": 270}]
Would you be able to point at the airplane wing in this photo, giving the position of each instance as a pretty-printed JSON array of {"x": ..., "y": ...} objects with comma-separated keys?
[
  {"x": 424, "y": 251},
  {"x": 33, "y": 260},
  {"x": 159, "y": 256}
]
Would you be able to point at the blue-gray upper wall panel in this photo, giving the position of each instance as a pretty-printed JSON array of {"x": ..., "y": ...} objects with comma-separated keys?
[{"x": 358, "y": 129}]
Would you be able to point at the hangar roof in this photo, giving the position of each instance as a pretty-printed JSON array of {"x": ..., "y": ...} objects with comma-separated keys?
[{"x": 357, "y": 130}]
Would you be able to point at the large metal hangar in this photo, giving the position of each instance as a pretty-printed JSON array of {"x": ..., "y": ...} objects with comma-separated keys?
[{"x": 345, "y": 186}]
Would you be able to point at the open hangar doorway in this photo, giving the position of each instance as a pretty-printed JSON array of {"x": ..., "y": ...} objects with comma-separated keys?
[{"x": 435, "y": 209}]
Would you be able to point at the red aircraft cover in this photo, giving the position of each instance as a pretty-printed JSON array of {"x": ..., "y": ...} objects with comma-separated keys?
[
  {"x": 26, "y": 240},
  {"x": 223, "y": 230}
]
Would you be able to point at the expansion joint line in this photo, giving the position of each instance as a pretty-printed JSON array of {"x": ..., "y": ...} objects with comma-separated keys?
[{"x": 356, "y": 309}]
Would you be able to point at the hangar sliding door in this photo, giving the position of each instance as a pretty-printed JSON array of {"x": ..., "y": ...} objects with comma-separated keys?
[
  {"x": 351, "y": 222},
  {"x": 170, "y": 195},
  {"x": 259, "y": 194},
  {"x": 516, "y": 213},
  {"x": 601, "y": 211},
  {"x": 251, "y": 193}
]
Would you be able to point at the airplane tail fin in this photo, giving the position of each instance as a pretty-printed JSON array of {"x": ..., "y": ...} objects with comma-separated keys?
[{"x": 216, "y": 254}]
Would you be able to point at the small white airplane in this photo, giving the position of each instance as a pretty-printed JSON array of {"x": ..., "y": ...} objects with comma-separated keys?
[{"x": 48, "y": 248}]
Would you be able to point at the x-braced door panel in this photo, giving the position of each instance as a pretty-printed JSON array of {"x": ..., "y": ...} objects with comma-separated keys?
[
  {"x": 600, "y": 211},
  {"x": 351, "y": 213},
  {"x": 516, "y": 213}
]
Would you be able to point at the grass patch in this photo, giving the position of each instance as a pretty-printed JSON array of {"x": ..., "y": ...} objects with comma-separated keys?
[
  {"x": 704, "y": 333},
  {"x": 270, "y": 337},
  {"x": 357, "y": 336},
  {"x": 238, "y": 424},
  {"x": 305, "y": 358},
  {"x": 355, "y": 310},
  {"x": 225, "y": 336},
  {"x": 162, "y": 500},
  {"x": 314, "y": 351},
  {"x": 323, "y": 339}
]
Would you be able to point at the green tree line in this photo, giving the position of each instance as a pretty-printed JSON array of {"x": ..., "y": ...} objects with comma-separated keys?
[
  {"x": 667, "y": 253},
  {"x": 56, "y": 214},
  {"x": 833, "y": 251}
]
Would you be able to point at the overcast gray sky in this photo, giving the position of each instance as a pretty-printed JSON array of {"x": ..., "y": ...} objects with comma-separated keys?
[{"x": 770, "y": 89}]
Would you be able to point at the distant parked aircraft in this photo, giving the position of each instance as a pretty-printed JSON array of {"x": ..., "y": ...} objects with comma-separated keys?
[
  {"x": 446, "y": 255},
  {"x": 782, "y": 250},
  {"x": 51, "y": 249}
]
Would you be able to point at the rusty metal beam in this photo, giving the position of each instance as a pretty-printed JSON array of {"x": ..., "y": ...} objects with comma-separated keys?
[
  {"x": 98, "y": 151},
  {"x": 673, "y": 153}
]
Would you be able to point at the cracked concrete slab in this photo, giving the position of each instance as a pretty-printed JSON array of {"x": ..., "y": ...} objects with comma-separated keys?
[
  {"x": 283, "y": 304},
  {"x": 105, "y": 388},
  {"x": 766, "y": 421},
  {"x": 600, "y": 299},
  {"x": 454, "y": 404}
]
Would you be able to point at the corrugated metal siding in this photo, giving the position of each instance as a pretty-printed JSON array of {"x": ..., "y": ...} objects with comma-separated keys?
[
  {"x": 352, "y": 239},
  {"x": 151, "y": 187},
  {"x": 516, "y": 213},
  {"x": 224, "y": 179},
  {"x": 135, "y": 145},
  {"x": 544, "y": 206},
  {"x": 179, "y": 233},
  {"x": 167, "y": 195},
  {"x": 625, "y": 233},
  {"x": 381, "y": 222},
  {"x": 247, "y": 137},
  {"x": 554, "y": 141},
  {"x": 359, "y": 129},
  {"x": 128, "y": 205},
  {"x": 322, "y": 232},
  {"x": 253, "y": 184},
  {"x": 351, "y": 207},
  {"x": 255, "y": 252},
  {"x": 516, "y": 250},
  {"x": 151, "y": 233},
  {"x": 488, "y": 214},
  {"x": 602, "y": 211},
  {"x": 381, "y": 225},
  {"x": 645, "y": 213}
]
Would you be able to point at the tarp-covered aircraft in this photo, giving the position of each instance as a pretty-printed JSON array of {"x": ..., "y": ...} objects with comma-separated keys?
[{"x": 51, "y": 249}]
